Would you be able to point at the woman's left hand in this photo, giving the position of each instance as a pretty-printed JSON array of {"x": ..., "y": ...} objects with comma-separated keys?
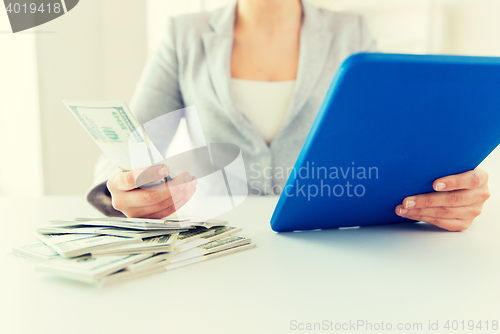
[{"x": 458, "y": 201}]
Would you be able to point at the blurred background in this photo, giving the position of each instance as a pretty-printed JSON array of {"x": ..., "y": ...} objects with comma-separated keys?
[{"x": 97, "y": 52}]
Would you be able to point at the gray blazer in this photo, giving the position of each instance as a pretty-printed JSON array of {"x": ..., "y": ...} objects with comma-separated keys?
[{"x": 192, "y": 67}]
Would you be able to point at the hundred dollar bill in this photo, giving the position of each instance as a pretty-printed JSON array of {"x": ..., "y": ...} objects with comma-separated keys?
[
  {"x": 130, "y": 220},
  {"x": 208, "y": 256},
  {"x": 126, "y": 275},
  {"x": 141, "y": 224},
  {"x": 117, "y": 132},
  {"x": 193, "y": 235},
  {"x": 187, "y": 221},
  {"x": 215, "y": 233},
  {"x": 158, "y": 267},
  {"x": 88, "y": 269},
  {"x": 37, "y": 252},
  {"x": 119, "y": 232},
  {"x": 151, "y": 261},
  {"x": 50, "y": 239},
  {"x": 82, "y": 244},
  {"x": 164, "y": 243},
  {"x": 125, "y": 224},
  {"x": 205, "y": 249},
  {"x": 210, "y": 247}
]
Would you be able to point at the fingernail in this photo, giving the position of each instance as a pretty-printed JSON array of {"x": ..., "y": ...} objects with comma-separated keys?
[
  {"x": 440, "y": 186},
  {"x": 410, "y": 204},
  {"x": 187, "y": 178},
  {"x": 195, "y": 182},
  {"x": 402, "y": 211},
  {"x": 162, "y": 171}
]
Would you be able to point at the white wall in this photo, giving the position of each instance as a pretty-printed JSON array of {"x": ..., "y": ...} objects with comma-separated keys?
[
  {"x": 20, "y": 148},
  {"x": 96, "y": 52}
]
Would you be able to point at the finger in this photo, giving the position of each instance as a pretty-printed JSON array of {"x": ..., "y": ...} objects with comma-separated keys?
[
  {"x": 451, "y": 198},
  {"x": 167, "y": 212},
  {"x": 125, "y": 181},
  {"x": 453, "y": 225},
  {"x": 159, "y": 207},
  {"x": 461, "y": 212},
  {"x": 469, "y": 180}
]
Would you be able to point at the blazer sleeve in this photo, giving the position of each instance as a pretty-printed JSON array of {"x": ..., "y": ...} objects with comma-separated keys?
[
  {"x": 157, "y": 93},
  {"x": 367, "y": 43}
]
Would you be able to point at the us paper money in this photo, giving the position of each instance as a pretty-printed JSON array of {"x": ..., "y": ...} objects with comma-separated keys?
[
  {"x": 119, "y": 232},
  {"x": 88, "y": 269},
  {"x": 50, "y": 239},
  {"x": 170, "y": 220},
  {"x": 194, "y": 241},
  {"x": 126, "y": 275},
  {"x": 132, "y": 271},
  {"x": 164, "y": 243},
  {"x": 211, "y": 247},
  {"x": 209, "y": 256},
  {"x": 100, "y": 251},
  {"x": 193, "y": 234},
  {"x": 82, "y": 244},
  {"x": 117, "y": 132},
  {"x": 174, "y": 255},
  {"x": 37, "y": 252},
  {"x": 138, "y": 224},
  {"x": 150, "y": 262},
  {"x": 125, "y": 224}
]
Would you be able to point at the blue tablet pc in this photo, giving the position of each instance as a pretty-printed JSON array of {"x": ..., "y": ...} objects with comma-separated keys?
[{"x": 388, "y": 127}]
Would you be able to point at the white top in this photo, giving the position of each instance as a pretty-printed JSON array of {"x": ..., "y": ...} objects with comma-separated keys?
[{"x": 264, "y": 103}]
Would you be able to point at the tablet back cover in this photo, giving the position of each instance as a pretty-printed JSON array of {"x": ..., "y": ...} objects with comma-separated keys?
[{"x": 389, "y": 126}]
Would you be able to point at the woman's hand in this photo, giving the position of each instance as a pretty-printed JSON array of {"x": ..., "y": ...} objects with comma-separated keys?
[
  {"x": 155, "y": 202},
  {"x": 458, "y": 201}
]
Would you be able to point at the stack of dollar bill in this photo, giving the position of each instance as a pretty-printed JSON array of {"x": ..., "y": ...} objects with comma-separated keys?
[{"x": 109, "y": 250}]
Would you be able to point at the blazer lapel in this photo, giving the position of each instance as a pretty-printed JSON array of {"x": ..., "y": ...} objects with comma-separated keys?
[
  {"x": 315, "y": 43},
  {"x": 218, "y": 45}
]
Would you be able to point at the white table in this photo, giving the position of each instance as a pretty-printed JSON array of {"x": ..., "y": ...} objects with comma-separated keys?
[{"x": 411, "y": 273}]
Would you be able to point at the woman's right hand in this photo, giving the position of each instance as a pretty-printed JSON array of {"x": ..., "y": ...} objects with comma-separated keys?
[{"x": 156, "y": 202}]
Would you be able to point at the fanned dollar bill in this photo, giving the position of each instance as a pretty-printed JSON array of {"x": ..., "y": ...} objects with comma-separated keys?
[
  {"x": 205, "y": 249},
  {"x": 164, "y": 243},
  {"x": 36, "y": 252},
  {"x": 116, "y": 131},
  {"x": 208, "y": 256},
  {"x": 126, "y": 275},
  {"x": 190, "y": 240},
  {"x": 210, "y": 247},
  {"x": 193, "y": 235},
  {"x": 158, "y": 267},
  {"x": 125, "y": 224},
  {"x": 88, "y": 269},
  {"x": 188, "y": 222},
  {"x": 119, "y": 232},
  {"x": 82, "y": 244},
  {"x": 215, "y": 233},
  {"x": 151, "y": 261}
]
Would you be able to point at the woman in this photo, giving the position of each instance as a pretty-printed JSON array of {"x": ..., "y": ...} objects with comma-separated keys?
[{"x": 282, "y": 52}]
